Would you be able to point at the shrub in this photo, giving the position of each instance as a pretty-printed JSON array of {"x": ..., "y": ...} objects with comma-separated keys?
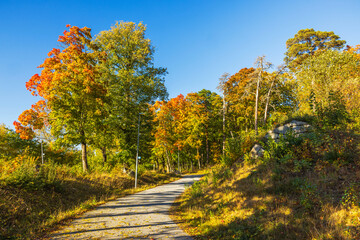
[{"x": 351, "y": 196}]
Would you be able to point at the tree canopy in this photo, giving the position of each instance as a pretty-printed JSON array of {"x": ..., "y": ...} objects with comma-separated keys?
[{"x": 306, "y": 42}]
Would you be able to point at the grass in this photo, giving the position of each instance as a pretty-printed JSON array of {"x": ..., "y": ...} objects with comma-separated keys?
[
  {"x": 30, "y": 212},
  {"x": 282, "y": 198}
]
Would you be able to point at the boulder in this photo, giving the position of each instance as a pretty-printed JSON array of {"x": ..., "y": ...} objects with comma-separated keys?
[
  {"x": 294, "y": 123},
  {"x": 281, "y": 130},
  {"x": 298, "y": 127},
  {"x": 257, "y": 151},
  {"x": 272, "y": 135}
]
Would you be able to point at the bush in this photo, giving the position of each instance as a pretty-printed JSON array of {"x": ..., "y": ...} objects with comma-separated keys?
[{"x": 25, "y": 172}]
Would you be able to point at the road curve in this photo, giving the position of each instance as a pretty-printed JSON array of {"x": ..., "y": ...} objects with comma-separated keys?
[{"x": 144, "y": 215}]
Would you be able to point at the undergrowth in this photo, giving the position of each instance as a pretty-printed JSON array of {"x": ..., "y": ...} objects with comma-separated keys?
[
  {"x": 304, "y": 187},
  {"x": 36, "y": 199}
]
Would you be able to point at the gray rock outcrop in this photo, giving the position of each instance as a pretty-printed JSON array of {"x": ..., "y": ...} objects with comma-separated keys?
[{"x": 298, "y": 127}]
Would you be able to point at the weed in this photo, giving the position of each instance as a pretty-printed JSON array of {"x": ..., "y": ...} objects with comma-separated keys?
[
  {"x": 351, "y": 197},
  {"x": 309, "y": 198},
  {"x": 196, "y": 189}
]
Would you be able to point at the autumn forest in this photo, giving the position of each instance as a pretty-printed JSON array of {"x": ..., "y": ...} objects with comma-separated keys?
[{"x": 100, "y": 103}]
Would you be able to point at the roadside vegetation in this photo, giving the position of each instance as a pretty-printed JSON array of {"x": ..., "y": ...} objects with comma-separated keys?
[
  {"x": 304, "y": 186},
  {"x": 35, "y": 197},
  {"x": 102, "y": 105}
]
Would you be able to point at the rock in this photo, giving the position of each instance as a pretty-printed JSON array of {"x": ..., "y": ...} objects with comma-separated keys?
[
  {"x": 272, "y": 135},
  {"x": 257, "y": 151},
  {"x": 281, "y": 130},
  {"x": 298, "y": 127}
]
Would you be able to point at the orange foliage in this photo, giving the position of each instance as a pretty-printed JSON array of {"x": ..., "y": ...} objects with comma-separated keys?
[{"x": 63, "y": 71}]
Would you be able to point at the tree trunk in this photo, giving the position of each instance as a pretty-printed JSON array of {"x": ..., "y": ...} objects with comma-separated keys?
[
  {"x": 179, "y": 169},
  {"x": 157, "y": 165},
  {"x": 257, "y": 103},
  {"x": 207, "y": 146},
  {"x": 163, "y": 163},
  {"x": 198, "y": 157},
  {"x": 84, "y": 157},
  {"x": 268, "y": 101},
  {"x": 168, "y": 166},
  {"x": 269, "y": 93},
  {"x": 103, "y": 150},
  {"x": 312, "y": 95},
  {"x": 224, "y": 136}
]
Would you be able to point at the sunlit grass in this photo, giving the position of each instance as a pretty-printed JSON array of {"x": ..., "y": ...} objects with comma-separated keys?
[
  {"x": 30, "y": 212},
  {"x": 249, "y": 203}
]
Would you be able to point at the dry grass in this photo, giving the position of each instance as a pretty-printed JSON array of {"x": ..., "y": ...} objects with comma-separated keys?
[
  {"x": 30, "y": 213},
  {"x": 251, "y": 202}
]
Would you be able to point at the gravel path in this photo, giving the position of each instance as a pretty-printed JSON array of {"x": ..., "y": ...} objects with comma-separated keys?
[{"x": 143, "y": 215}]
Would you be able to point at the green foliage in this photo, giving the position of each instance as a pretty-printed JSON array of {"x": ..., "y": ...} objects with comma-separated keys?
[
  {"x": 309, "y": 197},
  {"x": 325, "y": 81},
  {"x": 351, "y": 196},
  {"x": 236, "y": 147},
  {"x": 11, "y": 145},
  {"x": 31, "y": 176},
  {"x": 220, "y": 174},
  {"x": 334, "y": 114},
  {"x": 196, "y": 189},
  {"x": 133, "y": 83},
  {"x": 306, "y": 42}
]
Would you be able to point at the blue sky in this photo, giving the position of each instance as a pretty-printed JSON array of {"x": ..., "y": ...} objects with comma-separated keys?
[{"x": 196, "y": 40}]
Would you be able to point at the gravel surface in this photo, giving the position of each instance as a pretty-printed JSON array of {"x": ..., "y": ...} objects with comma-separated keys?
[{"x": 144, "y": 215}]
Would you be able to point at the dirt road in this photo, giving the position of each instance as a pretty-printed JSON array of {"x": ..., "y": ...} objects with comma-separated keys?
[{"x": 143, "y": 215}]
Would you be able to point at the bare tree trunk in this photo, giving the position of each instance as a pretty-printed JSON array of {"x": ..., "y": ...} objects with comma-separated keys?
[
  {"x": 280, "y": 70},
  {"x": 261, "y": 65},
  {"x": 84, "y": 157},
  {"x": 223, "y": 79},
  {"x": 267, "y": 101},
  {"x": 224, "y": 136},
  {"x": 256, "y": 104}
]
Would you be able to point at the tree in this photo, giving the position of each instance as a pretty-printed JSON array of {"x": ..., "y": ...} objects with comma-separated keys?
[
  {"x": 131, "y": 78},
  {"x": 70, "y": 90},
  {"x": 261, "y": 65},
  {"x": 222, "y": 80},
  {"x": 169, "y": 128},
  {"x": 211, "y": 103},
  {"x": 306, "y": 42},
  {"x": 239, "y": 89},
  {"x": 325, "y": 73}
]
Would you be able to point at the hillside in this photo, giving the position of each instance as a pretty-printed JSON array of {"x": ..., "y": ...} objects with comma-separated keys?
[{"x": 304, "y": 187}]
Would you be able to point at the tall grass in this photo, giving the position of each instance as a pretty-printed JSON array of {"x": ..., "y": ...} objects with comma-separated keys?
[
  {"x": 303, "y": 188},
  {"x": 36, "y": 198}
]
